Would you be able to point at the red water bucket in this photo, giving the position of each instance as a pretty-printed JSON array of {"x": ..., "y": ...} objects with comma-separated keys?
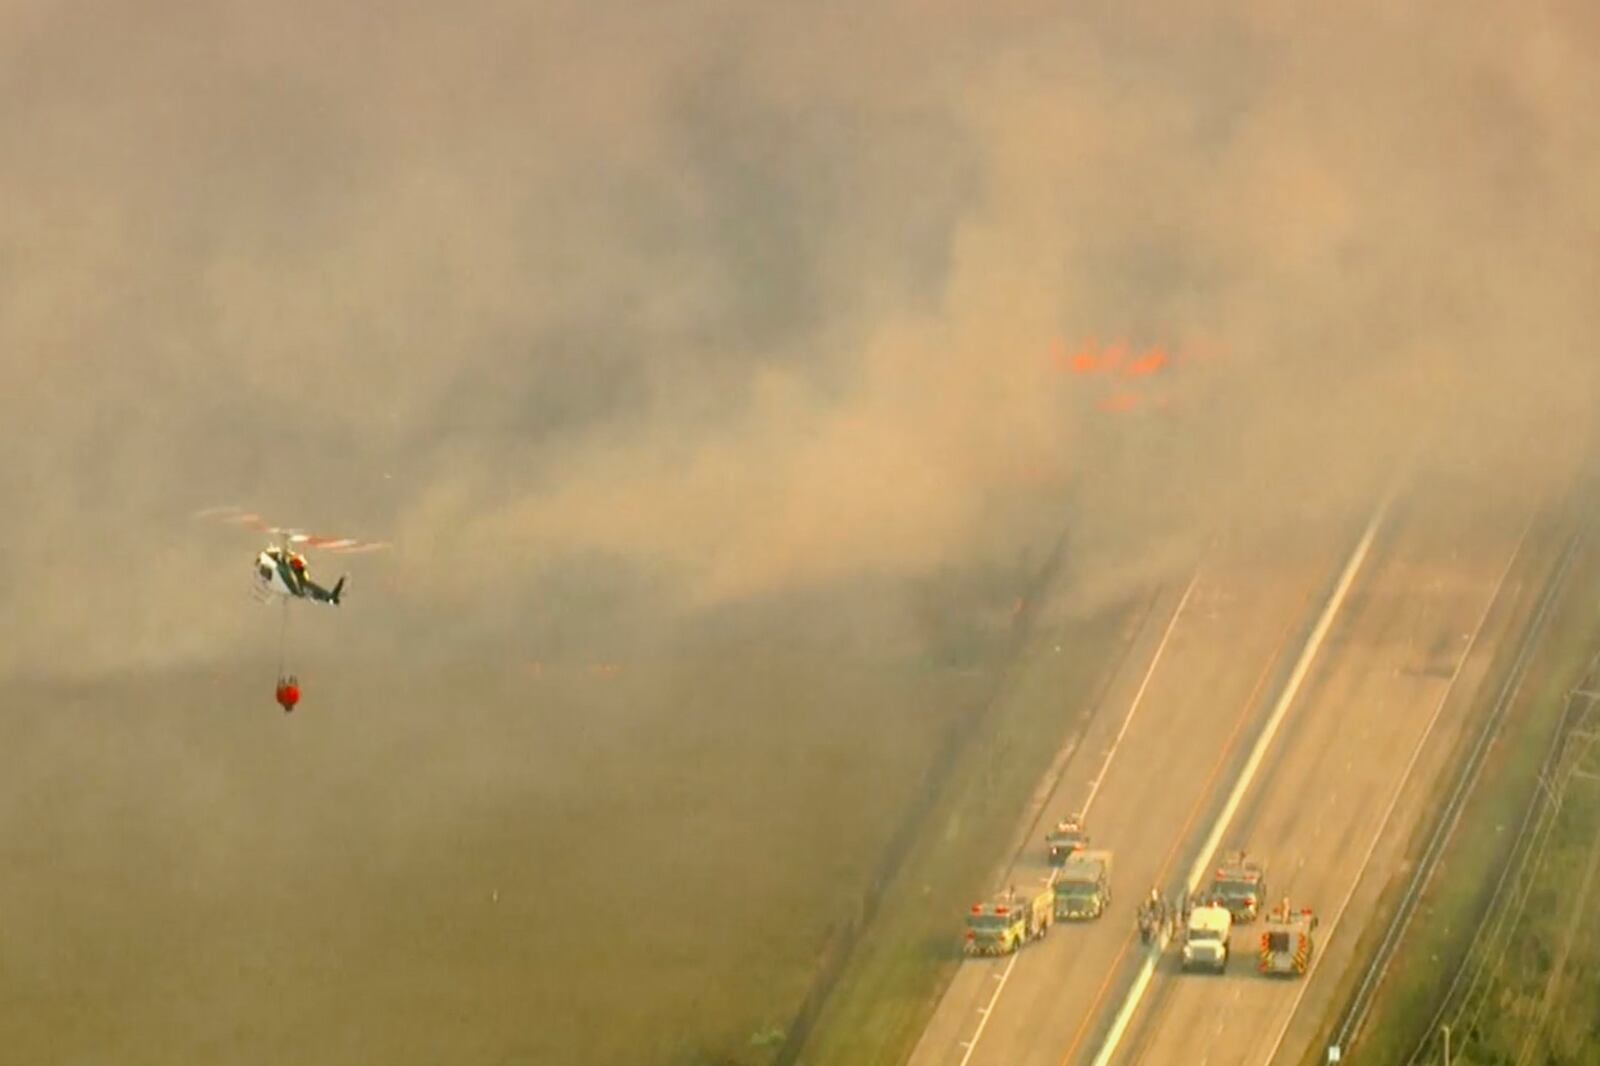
[{"x": 288, "y": 694}]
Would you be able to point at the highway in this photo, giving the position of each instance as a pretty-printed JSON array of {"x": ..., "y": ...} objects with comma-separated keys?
[
  {"x": 1336, "y": 793},
  {"x": 1349, "y": 778},
  {"x": 1185, "y": 711}
]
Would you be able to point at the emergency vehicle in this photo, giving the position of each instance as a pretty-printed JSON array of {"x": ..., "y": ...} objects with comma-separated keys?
[{"x": 1286, "y": 941}]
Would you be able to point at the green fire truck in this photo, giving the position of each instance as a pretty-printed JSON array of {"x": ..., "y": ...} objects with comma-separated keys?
[{"x": 1083, "y": 886}]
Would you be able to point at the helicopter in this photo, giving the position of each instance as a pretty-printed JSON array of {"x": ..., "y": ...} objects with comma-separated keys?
[
  {"x": 280, "y": 570},
  {"x": 281, "y": 573}
]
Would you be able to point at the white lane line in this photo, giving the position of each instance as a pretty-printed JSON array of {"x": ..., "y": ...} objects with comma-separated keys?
[
  {"x": 1138, "y": 698},
  {"x": 1302, "y": 668},
  {"x": 988, "y": 1012},
  {"x": 1394, "y": 799}
]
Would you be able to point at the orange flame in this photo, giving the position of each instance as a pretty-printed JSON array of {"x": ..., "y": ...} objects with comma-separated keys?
[{"x": 1151, "y": 362}]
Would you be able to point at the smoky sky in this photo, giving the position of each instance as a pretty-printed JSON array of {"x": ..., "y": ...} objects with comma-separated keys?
[{"x": 690, "y": 304}]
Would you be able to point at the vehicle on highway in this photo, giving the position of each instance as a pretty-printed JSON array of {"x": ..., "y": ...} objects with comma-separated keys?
[
  {"x": 1205, "y": 940},
  {"x": 1240, "y": 885},
  {"x": 1286, "y": 942},
  {"x": 1004, "y": 924},
  {"x": 1067, "y": 838},
  {"x": 1083, "y": 886}
]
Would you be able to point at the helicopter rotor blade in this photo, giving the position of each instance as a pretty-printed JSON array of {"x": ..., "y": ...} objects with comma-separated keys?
[
  {"x": 345, "y": 545},
  {"x": 237, "y": 516},
  {"x": 234, "y": 516}
]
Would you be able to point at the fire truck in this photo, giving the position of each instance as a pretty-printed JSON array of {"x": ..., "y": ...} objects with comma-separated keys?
[
  {"x": 1010, "y": 921},
  {"x": 1240, "y": 885},
  {"x": 1083, "y": 887},
  {"x": 1065, "y": 839},
  {"x": 1286, "y": 941}
]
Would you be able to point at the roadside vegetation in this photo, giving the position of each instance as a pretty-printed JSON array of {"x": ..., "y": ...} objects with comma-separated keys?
[
  {"x": 1504, "y": 949},
  {"x": 897, "y": 955}
]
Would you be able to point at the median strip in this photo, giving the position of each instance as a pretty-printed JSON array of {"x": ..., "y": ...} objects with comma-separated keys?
[{"x": 1280, "y": 710}]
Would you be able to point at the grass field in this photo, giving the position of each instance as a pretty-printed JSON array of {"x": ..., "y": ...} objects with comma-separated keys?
[
  {"x": 1528, "y": 992},
  {"x": 518, "y": 857}
]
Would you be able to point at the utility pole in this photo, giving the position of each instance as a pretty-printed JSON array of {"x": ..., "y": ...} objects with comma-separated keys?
[{"x": 1445, "y": 1029}]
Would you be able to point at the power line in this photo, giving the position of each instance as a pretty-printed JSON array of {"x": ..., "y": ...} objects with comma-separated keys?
[{"x": 1539, "y": 814}]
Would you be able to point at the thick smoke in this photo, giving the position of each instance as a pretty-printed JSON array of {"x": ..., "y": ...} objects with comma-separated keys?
[
  {"x": 748, "y": 300},
  {"x": 711, "y": 366}
]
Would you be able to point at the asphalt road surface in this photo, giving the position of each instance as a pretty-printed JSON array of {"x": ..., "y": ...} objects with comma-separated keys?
[
  {"x": 1203, "y": 680},
  {"x": 1339, "y": 790},
  {"x": 1348, "y": 780}
]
